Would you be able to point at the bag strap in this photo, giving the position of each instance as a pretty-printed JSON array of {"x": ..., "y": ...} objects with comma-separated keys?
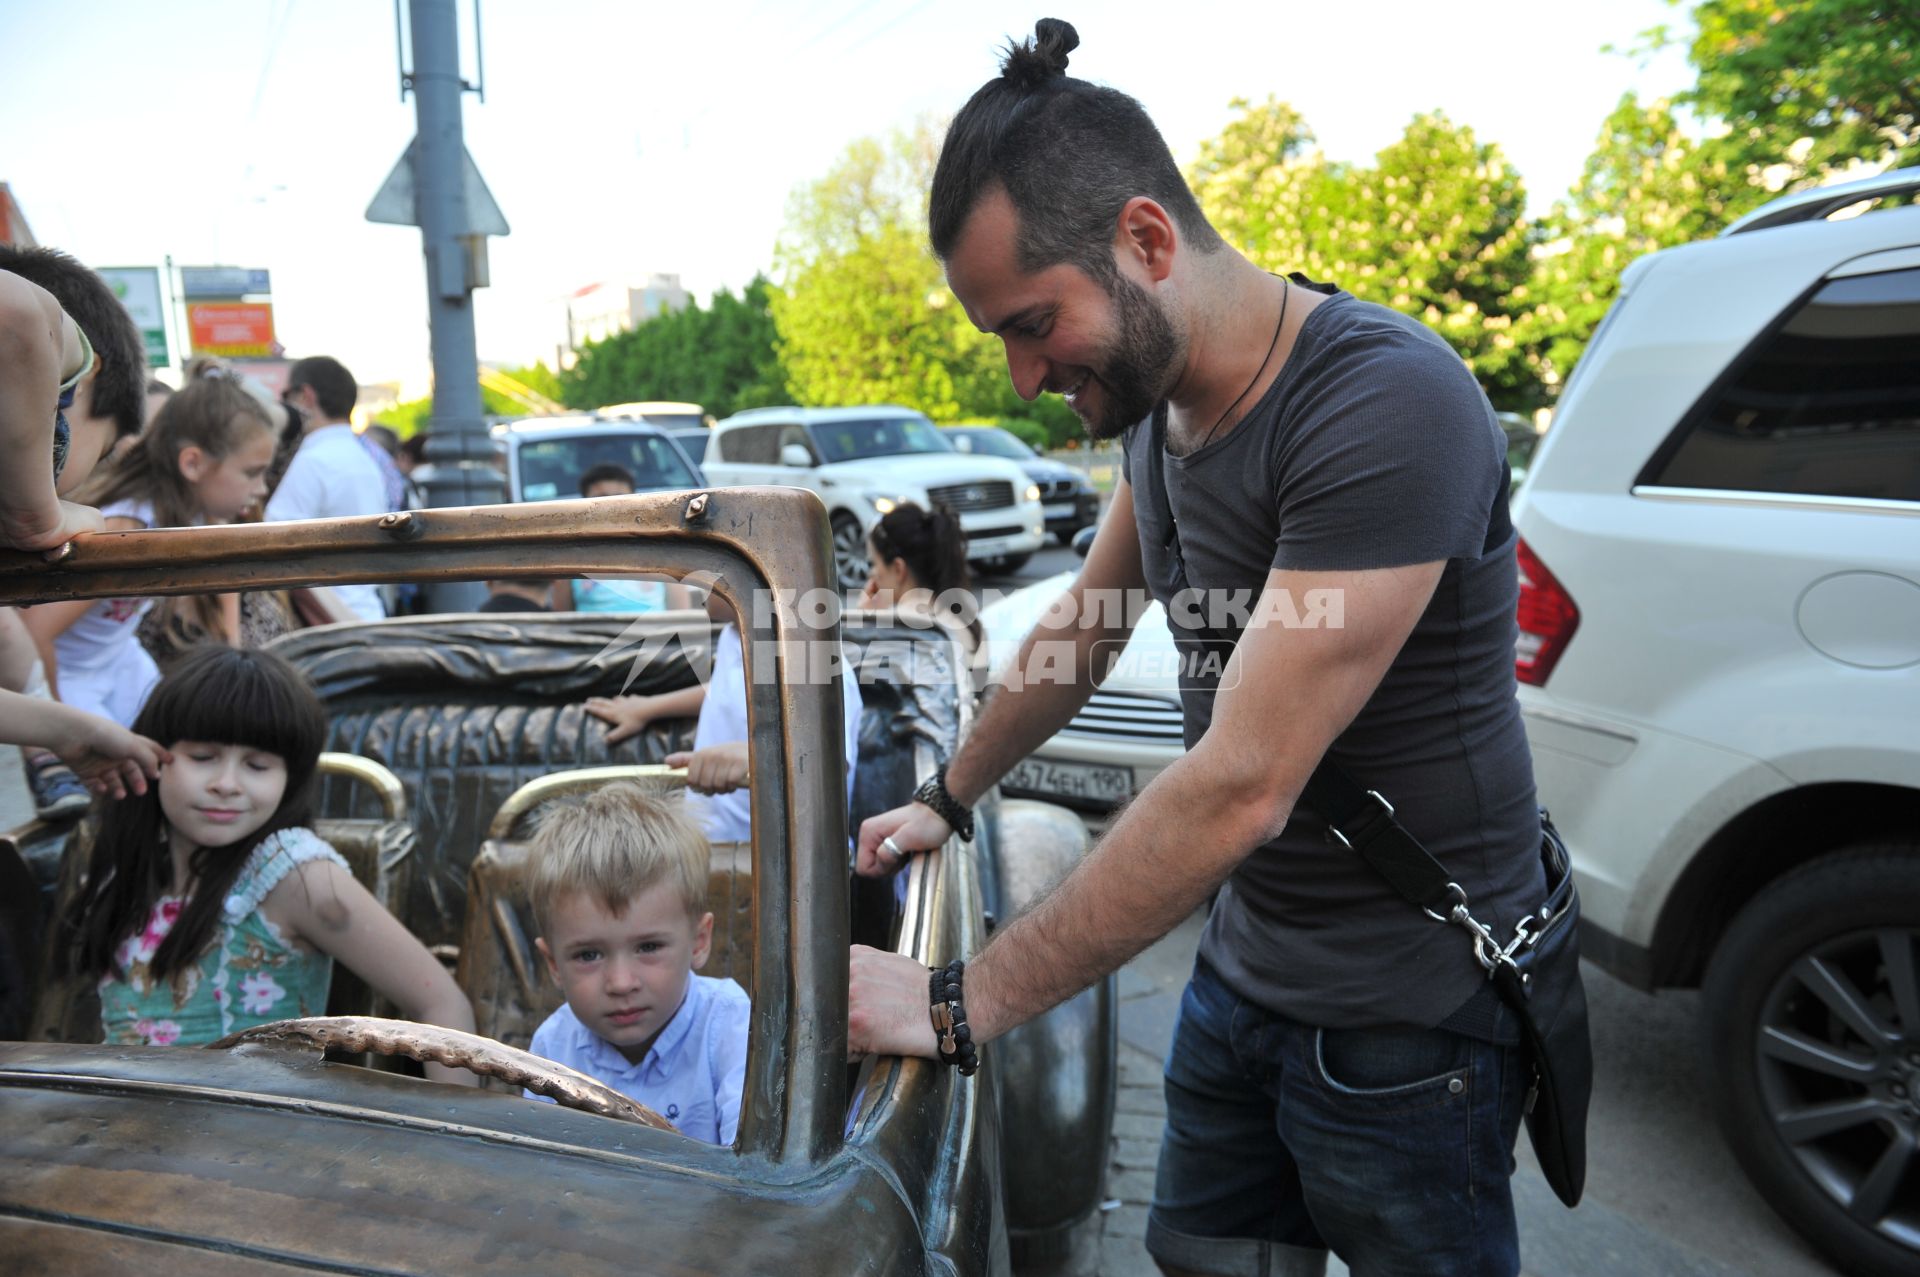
[{"x": 1362, "y": 820}]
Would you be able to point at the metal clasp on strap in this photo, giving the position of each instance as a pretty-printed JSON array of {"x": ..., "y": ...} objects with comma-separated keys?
[
  {"x": 1334, "y": 830},
  {"x": 1487, "y": 949}
]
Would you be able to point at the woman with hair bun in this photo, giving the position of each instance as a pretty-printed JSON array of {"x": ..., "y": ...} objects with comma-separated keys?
[{"x": 917, "y": 561}]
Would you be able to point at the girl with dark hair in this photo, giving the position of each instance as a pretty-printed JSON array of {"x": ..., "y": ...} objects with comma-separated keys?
[
  {"x": 203, "y": 460},
  {"x": 210, "y": 907},
  {"x": 916, "y": 559}
]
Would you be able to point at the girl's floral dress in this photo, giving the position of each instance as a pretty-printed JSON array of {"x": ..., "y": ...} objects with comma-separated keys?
[{"x": 249, "y": 975}]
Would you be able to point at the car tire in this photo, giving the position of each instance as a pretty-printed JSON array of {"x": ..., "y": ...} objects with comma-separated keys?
[
  {"x": 1812, "y": 1039},
  {"x": 849, "y": 551}
]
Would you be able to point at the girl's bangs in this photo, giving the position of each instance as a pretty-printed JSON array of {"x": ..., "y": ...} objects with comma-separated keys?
[{"x": 226, "y": 696}]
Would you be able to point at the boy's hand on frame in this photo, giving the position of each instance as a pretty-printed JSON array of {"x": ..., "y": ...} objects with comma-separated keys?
[{"x": 717, "y": 769}]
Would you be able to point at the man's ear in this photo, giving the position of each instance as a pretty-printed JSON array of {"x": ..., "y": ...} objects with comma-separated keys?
[
  {"x": 702, "y": 940},
  {"x": 1145, "y": 233},
  {"x": 540, "y": 943}
]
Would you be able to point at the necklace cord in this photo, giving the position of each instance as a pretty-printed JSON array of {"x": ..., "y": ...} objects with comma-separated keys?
[{"x": 1286, "y": 294}]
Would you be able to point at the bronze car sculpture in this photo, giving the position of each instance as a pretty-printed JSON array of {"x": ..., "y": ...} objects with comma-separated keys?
[{"x": 271, "y": 1157}]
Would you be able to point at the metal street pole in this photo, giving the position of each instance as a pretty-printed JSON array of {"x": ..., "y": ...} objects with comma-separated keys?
[{"x": 458, "y": 447}]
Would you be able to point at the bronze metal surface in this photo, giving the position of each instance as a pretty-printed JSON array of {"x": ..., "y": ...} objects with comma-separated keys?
[
  {"x": 655, "y": 778},
  {"x": 384, "y": 784},
  {"x": 291, "y": 1163},
  {"x": 433, "y": 1044},
  {"x": 743, "y": 541}
]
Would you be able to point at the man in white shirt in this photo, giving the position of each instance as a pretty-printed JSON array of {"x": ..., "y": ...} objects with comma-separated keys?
[{"x": 332, "y": 474}]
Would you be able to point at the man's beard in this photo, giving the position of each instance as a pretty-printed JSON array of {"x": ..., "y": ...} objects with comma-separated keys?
[{"x": 1138, "y": 368}]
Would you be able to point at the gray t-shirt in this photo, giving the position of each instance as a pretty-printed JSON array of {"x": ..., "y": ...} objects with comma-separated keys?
[{"x": 1374, "y": 448}]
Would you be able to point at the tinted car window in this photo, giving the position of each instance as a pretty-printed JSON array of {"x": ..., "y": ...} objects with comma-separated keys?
[
  {"x": 1829, "y": 405},
  {"x": 991, "y": 443},
  {"x": 751, "y": 445},
  {"x": 876, "y": 437},
  {"x": 551, "y": 468}
]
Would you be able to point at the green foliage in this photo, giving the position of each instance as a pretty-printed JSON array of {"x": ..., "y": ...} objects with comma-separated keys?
[
  {"x": 538, "y": 378},
  {"x": 866, "y": 316},
  {"x": 1433, "y": 228},
  {"x": 1789, "y": 92},
  {"x": 721, "y": 357},
  {"x": 1029, "y": 432},
  {"x": 412, "y": 417},
  {"x": 873, "y": 324},
  {"x": 1811, "y": 84},
  {"x": 1646, "y": 186}
]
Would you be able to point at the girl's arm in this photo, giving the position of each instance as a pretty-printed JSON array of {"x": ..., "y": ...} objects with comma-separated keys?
[
  {"x": 630, "y": 714},
  {"x": 110, "y": 759},
  {"x": 322, "y": 904},
  {"x": 48, "y": 622}
]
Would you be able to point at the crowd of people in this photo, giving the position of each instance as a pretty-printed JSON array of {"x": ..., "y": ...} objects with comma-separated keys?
[{"x": 210, "y": 903}]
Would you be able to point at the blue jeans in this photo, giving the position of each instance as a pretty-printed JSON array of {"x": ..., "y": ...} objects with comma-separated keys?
[{"x": 1391, "y": 1146}]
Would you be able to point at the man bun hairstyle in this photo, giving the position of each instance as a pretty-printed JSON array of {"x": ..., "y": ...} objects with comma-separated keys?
[
  {"x": 1031, "y": 63},
  {"x": 1068, "y": 153}
]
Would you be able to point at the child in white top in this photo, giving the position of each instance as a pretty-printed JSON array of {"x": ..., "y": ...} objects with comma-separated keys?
[{"x": 203, "y": 460}]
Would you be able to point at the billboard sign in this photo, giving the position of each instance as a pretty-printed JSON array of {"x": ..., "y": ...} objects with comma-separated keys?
[
  {"x": 237, "y": 330},
  {"x": 223, "y": 282},
  {"x": 138, "y": 288}
]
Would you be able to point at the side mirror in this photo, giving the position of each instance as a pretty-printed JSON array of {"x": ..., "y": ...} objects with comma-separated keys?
[
  {"x": 1083, "y": 541},
  {"x": 796, "y": 454}
]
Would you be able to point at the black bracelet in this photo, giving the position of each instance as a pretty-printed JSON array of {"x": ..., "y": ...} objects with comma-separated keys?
[
  {"x": 950, "y": 1018},
  {"x": 933, "y": 792}
]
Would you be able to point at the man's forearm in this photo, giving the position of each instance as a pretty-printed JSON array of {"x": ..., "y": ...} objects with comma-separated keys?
[
  {"x": 1177, "y": 841},
  {"x": 1037, "y": 700},
  {"x": 31, "y": 353}
]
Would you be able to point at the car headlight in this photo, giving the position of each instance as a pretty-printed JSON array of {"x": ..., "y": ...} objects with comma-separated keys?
[
  {"x": 885, "y": 505},
  {"x": 1033, "y": 492}
]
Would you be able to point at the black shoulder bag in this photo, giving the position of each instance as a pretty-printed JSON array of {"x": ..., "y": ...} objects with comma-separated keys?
[{"x": 1536, "y": 973}]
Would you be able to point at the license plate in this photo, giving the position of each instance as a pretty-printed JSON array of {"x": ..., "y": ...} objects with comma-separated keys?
[{"x": 1082, "y": 781}]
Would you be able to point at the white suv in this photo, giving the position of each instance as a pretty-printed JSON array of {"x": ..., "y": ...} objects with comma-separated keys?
[
  {"x": 865, "y": 461},
  {"x": 1719, "y": 653}
]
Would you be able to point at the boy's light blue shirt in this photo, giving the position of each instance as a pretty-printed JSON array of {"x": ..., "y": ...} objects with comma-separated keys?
[{"x": 692, "y": 1075}]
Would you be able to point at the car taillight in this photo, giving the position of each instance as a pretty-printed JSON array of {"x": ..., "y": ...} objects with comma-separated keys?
[{"x": 1548, "y": 619}]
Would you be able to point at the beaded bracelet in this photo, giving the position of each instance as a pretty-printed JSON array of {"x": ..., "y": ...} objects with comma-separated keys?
[{"x": 950, "y": 1018}]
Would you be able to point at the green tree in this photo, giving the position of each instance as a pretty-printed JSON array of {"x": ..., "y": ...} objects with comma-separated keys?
[
  {"x": 721, "y": 357},
  {"x": 865, "y": 315},
  {"x": 1647, "y": 185},
  {"x": 538, "y": 378},
  {"x": 1433, "y": 228},
  {"x": 1812, "y": 84}
]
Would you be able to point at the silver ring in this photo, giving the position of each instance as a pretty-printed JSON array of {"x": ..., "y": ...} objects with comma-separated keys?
[{"x": 888, "y": 844}]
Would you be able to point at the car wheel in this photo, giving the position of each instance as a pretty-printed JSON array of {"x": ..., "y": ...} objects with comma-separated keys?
[
  {"x": 1812, "y": 1029},
  {"x": 849, "y": 551}
]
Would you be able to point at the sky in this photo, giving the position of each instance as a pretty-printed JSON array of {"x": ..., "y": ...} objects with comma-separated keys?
[{"x": 624, "y": 138}]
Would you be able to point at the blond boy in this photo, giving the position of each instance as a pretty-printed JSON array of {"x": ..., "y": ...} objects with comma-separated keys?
[{"x": 618, "y": 883}]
